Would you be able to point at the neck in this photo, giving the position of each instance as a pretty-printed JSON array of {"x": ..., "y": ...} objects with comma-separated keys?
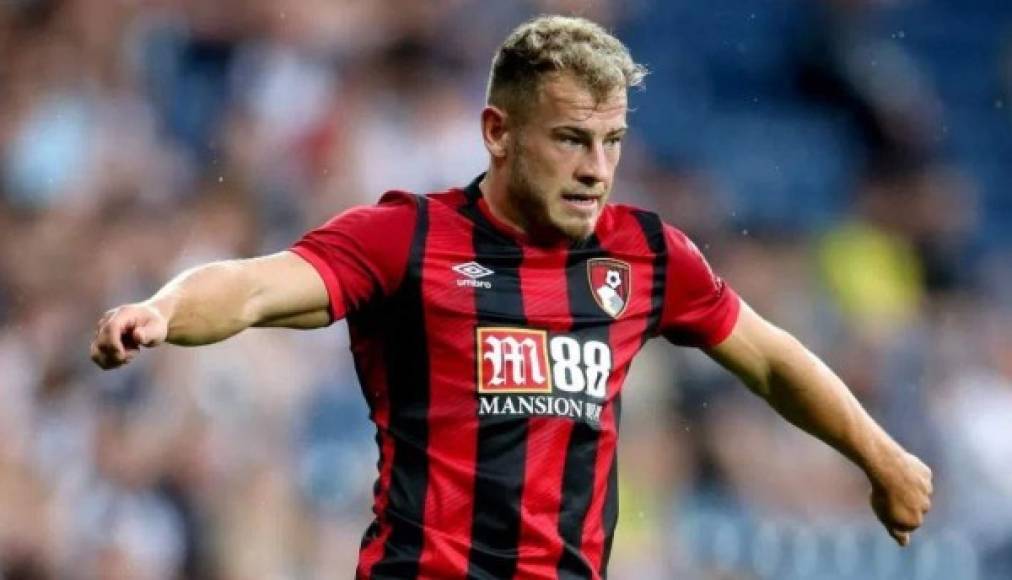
[
  {"x": 506, "y": 208},
  {"x": 495, "y": 189}
]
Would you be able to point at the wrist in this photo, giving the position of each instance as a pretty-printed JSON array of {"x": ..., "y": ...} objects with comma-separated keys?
[
  {"x": 161, "y": 306},
  {"x": 881, "y": 463}
]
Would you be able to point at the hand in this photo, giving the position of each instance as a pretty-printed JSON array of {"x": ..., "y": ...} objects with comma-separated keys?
[
  {"x": 901, "y": 495},
  {"x": 122, "y": 331}
]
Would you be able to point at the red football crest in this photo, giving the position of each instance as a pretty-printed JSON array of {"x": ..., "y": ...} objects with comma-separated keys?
[{"x": 611, "y": 284}]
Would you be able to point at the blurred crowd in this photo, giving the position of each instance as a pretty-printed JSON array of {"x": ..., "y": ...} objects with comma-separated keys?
[{"x": 845, "y": 164}]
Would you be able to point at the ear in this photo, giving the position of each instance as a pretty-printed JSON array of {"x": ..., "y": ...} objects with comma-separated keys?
[{"x": 494, "y": 131}]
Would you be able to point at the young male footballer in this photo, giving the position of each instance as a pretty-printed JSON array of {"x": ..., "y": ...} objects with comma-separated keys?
[{"x": 493, "y": 325}]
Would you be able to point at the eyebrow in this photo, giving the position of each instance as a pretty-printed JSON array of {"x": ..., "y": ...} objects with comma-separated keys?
[{"x": 587, "y": 134}]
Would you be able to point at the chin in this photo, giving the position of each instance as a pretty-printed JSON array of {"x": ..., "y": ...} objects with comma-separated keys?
[{"x": 576, "y": 231}]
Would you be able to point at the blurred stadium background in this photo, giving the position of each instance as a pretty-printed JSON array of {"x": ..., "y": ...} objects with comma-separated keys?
[{"x": 845, "y": 164}]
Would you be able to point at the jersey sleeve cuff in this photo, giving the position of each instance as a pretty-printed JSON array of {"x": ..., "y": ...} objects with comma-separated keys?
[
  {"x": 723, "y": 328},
  {"x": 336, "y": 308}
]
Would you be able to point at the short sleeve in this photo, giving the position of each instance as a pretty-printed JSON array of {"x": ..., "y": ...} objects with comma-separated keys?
[
  {"x": 700, "y": 309},
  {"x": 362, "y": 253}
]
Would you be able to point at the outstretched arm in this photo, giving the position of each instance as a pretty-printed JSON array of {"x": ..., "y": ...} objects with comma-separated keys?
[
  {"x": 801, "y": 388},
  {"x": 212, "y": 302}
]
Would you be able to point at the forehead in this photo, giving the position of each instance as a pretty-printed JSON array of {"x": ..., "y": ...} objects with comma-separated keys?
[{"x": 564, "y": 100}]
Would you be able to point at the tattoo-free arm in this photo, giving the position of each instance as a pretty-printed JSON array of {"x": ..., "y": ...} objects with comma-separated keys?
[
  {"x": 212, "y": 302},
  {"x": 801, "y": 388},
  {"x": 217, "y": 300}
]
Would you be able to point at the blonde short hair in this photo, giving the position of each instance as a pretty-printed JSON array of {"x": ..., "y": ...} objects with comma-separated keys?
[{"x": 558, "y": 44}]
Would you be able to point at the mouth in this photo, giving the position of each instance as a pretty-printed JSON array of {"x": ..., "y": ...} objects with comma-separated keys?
[{"x": 584, "y": 202}]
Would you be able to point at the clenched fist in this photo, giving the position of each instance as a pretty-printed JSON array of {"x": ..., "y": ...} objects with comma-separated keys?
[
  {"x": 122, "y": 331},
  {"x": 901, "y": 495}
]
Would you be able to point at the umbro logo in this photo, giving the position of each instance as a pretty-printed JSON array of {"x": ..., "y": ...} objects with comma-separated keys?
[{"x": 474, "y": 272}]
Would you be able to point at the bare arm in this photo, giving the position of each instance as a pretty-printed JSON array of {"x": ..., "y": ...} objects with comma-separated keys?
[
  {"x": 212, "y": 302},
  {"x": 801, "y": 388}
]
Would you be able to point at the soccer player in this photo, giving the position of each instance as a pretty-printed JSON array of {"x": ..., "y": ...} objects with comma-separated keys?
[{"x": 493, "y": 325}]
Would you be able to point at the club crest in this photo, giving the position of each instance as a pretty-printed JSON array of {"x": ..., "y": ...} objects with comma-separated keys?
[{"x": 610, "y": 283}]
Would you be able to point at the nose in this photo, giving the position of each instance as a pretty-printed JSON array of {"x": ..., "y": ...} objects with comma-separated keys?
[{"x": 594, "y": 167}]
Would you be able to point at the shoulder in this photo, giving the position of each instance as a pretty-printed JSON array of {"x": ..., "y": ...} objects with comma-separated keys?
[
  {"x": 634, "y": 224},
  {"x": 630, "y": 226},
  {"x": 448, "y": 198},
  {"x": 620, "y": 211},
  {"x": 408, "y": 201},
  {"x": 621, "y": 216},
  {"x": 398, "y": 198},
  {"x": 396, "y": 203},
  {"x": 393, "y": 209}
]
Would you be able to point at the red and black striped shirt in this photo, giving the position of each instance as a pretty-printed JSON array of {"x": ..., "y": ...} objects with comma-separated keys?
[{"x": 493, "y": 370}]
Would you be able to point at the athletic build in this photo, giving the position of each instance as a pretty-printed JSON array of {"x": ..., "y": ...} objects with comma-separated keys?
[{"x": 493, "y": 325}]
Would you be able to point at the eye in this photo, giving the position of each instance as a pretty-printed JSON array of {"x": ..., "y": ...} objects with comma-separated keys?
[
  {"x": 570, "y": 140},
  {"x": 613, "y": 141}
]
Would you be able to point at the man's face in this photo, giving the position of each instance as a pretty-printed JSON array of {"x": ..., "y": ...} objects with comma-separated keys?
[{"x": 562, "y": 160}]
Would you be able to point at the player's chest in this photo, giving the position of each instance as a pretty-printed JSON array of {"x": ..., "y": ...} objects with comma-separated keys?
[
  {"x": 558, "y": 291},
  {"x": 534, "y": 320},
  {"x": 522, "y": 333}
]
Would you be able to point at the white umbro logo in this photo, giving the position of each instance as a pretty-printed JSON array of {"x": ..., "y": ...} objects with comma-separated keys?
[{"x": 474, "y": 271}]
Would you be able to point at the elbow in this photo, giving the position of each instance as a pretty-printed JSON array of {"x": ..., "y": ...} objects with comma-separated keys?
[
  {"x": 248, "y": 307},
  {"x": 763, "y": 356},
  {"x": 789, "y": 364},
  {"x": 238, "y": 301},
  {"x": 760, "y": 383},
  {"x": 250, "y": 313},
  {"x": 777, "y": 359},
  {"x": 757, "y": 373}
]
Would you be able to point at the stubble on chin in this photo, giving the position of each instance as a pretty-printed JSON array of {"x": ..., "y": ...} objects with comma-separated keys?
[{"x": 535, "y": 213}]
